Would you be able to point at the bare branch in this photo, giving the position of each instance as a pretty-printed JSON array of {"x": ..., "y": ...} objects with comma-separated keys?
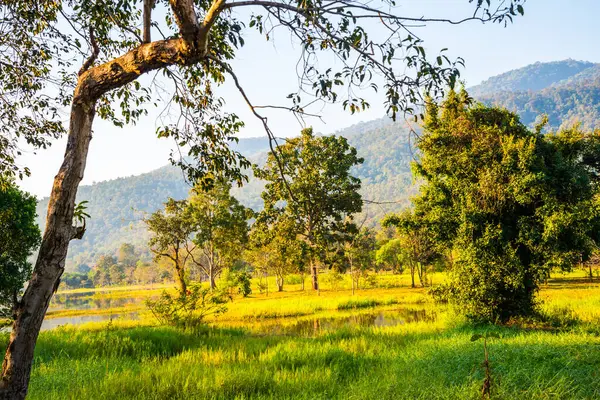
[{"x": 95, "y": 51}]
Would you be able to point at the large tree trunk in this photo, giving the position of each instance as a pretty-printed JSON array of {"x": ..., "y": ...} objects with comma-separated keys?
[
  {"x": 93, "y": 82},
  {"x": 50, "y": 262},
  {"x": 279, "y": 280}
]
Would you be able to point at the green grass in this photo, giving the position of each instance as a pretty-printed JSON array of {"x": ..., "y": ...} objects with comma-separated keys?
[
  {"x": 364, "y": 303},
  {"x": 420, "y": 361},
  {"x": 249, "y": 354}
]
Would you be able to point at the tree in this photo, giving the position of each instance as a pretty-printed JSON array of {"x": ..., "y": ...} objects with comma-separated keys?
[
  {"x": 220, "y": 229},
  {"x": 509, "y": 203},
  {"x": 19, "y": 237},
  {"x": 419, "y": 249},
  {"x": 200, "y": 38},
  {"x": 391, "y": 255},
  {"x": 275, "y": 249},
  {"x": 360, "y": 254},
  {"x": 316, "y": 195},
  {"x": 126, "y": 255},
  {"x": 102, "y": 275},
  {"x": 172, "y": 231}
]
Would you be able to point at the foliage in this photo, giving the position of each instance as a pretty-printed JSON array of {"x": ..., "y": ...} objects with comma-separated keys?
[
  {"x": 188, "y": 311},
  {"x": 416, "y": 237},
  {"x": 29, "y": 51},
  {"x": 360, "y": 252},
  {"x": 236, "y": 279},
  {"x": 275, "y": 249},
  {"x": 508, "y": 204},
  {"x": 19, "y": 237},
  {"x": 391, "y": 256},
  {"x": 317, "y": 195},
  {"x": 80, "y": 214},
  {"x": 172, "y": 232},
  {"x": 220, "y": 229}
]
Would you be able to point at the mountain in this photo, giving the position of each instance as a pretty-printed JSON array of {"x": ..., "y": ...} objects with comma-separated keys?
[
  {"x": 567, "y": 91},
  {"x": 118, "y": 206},
  {"x": 531, "y": 78}
]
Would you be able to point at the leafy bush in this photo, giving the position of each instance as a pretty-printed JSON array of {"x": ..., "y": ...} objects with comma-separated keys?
[
  {"x": 293, "y": 279},
  {"x": 441, "y": 293},
  {"x": 239, "y": 280},
  {"x": 188, "y": 310},
  {"x": 334, "y": 279},
  {"x": 371, "y": 280}
]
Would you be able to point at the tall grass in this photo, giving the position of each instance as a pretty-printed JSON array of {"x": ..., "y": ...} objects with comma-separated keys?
[
  {"x": 426, "y": 359},
  {"x": 414, "y": 361}
]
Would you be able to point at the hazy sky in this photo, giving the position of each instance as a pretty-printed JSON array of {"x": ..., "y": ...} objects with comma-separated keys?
[{"x": 550, "y": 30}]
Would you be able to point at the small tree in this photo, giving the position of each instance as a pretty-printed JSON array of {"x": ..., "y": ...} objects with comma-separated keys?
[
  {"x": 19, "y": 237},
  {"x": 360, "y": 254},
  {"x": 391, "y": 255},
  {"x": 316, "y": 195},
  {"x": 276, "y": 250},
  {"x": 419, "y": 249},
  {"x": 220, "y": 229},
  {"x": 172, "y": 231}
]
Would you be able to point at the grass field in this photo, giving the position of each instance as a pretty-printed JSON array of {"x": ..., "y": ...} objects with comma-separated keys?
[{"x": 249, "y": 353}]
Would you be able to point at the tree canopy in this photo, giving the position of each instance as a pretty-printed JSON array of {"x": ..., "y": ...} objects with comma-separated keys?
[
  {"x": 507, "y": 202},
  {"x": 220, "y": 229},
  {"x": 19, "y": 238},
  {"x": 310, "y": 186}
]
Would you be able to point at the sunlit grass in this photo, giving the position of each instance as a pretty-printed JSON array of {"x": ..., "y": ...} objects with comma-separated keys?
[{"x": 252, "y": 352}]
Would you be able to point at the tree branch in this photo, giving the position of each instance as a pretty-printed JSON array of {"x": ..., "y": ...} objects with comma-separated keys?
[
  {"x": 95, "y": 51},
  {"x": 270, "y": 135}
]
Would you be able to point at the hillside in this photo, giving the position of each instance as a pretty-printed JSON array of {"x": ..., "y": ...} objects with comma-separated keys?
[
  {"x": 531, "y": 78},
  {"x": 118, "y": 206},
  {"x": 568, "y": 91}
]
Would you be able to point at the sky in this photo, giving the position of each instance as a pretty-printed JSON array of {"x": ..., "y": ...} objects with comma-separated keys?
[{"x": 551, "y": 30}]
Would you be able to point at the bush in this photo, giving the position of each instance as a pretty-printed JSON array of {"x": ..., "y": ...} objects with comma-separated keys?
[
  {"x": 239, "y": 280},
  {"x": 441, "y": 293},
  {"x": 371, "y": 280},
  {"x": 334, "y": 279},
  {"x": 293, "y": 279},
  {"x": 188, "y": 310}
]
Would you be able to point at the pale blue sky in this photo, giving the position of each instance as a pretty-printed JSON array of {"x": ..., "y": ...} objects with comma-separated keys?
[{"x": 550, "y": 30}]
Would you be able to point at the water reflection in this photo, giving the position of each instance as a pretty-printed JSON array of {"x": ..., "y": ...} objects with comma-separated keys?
[
  {"x": 82, "y": 319},
  {"x": 85, "y": 301},
  {"x": 318, "y": 325}
]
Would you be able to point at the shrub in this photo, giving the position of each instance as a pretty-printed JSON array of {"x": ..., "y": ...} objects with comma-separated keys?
[
  {"x": 293, "y": 279},
  {"x": 239, "y": 280},
  {"x": 188, "y": 310},
  {"x": 334, "y": 279}
]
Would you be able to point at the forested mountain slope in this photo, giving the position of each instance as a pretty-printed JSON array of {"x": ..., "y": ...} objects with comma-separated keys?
[
  {"x": 567, "y": 91},
  {"x": 531, "y": 78},
  {"x": 118, "y": 206}
]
